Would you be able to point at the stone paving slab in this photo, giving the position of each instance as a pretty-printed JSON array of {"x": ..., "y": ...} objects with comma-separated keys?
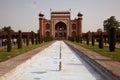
[
  {"x": 107, "y": 63},
  {"x": 46, "y": 65},
  {"x": 12, "y": 63}
]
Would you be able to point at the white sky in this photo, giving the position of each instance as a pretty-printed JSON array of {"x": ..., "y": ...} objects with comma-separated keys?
[{"x": 23, "y": 14}]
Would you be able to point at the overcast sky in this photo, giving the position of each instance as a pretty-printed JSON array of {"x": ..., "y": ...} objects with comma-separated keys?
[{"x": 23, "y": 14}]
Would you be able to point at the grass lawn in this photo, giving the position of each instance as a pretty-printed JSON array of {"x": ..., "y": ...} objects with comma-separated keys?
[
  {"x": 105, "y": 51},
  {"x": 4, "y": 55}
]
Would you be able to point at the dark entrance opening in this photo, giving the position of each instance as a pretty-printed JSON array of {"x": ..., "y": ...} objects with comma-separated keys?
[{"x": 60, "y": 30}]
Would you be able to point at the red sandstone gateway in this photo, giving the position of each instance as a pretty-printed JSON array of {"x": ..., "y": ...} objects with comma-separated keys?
[{"x": 60, "y": 26}]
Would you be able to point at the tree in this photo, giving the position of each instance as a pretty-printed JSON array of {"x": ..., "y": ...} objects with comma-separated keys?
[
  {"x": 111, "y": 25},
  {"x": 9, "y": 45},
  {"x": 41, "y": 39},
  {"x": 101, "y": 40},
  {"x": 112, "y": 40},
  {"x": 99, "y": 30},
  {"x": 111, "y": 22},
  {"x": 19, "y": 40},
  {"x": 27, "y": 40},
  {"x": 87, "y": 38},
  {"x": 118, "y": 35},
  {"x": 5, "y": 29},
  {"x": 36, "y": 38},
  {"x": 78, "y": 38},
  {"x": 72, "y": 38},
  {"x": 93, "y": 39},
  {"x": 105, "y": 40},
  {"x": 33, "y": 36}
]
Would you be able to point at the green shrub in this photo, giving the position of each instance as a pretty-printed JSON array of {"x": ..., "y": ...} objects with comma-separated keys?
[
  {"x": 93, "y": 39},
  {"x": 19, "y": 40},
  {"x": 101, "y": 40},
  {"x": 112, "y": 40},
  {"x": 9, "y": 45},
  {"x": 32, "y": 37},
  {"x": 27, "y": 40}
]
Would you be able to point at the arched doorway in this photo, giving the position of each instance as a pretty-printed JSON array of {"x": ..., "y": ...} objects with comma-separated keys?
[{"x": 60, "y": 30}]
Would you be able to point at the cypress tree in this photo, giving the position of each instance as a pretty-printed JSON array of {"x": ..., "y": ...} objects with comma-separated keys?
[
  {"x": 78, "y": 38},
  {"x": 41, "y": 39},
  {"x": 32, "y": 37},
  {"x": 9, "y": 45},
  {"x": 69, "y": 38},
  {"x": 101, "y": 40},
  {"x": 105, "y": 41},
  {"x": 93, "y": 39},
  {"x": 112, "y": 39},
  {"x": 19, "y": 39},
  {"x": 38, "y": 34},
  {"x": 36, "y": 39},
  {"x": 74, "y": 37},
  {"x": 27, "y": 40},
  {"x": 87, "y": 39}
]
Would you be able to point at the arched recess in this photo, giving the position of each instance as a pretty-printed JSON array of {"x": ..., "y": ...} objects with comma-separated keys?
[
  {"x": 60, "y": 30},
  {"x": 73, "y": 26},
  {"x": 47, "y": 34},
  {"x": 47, "y": 26},
  {"x": 73, "y": 33}
]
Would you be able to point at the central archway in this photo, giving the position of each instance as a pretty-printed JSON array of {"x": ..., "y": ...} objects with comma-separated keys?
[{"x": 60, "y": 30}]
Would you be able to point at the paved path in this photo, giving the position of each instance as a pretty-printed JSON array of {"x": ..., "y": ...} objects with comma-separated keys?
[
  {"x": 46, "y": 66},
  {"x": 109, "y": 66},
  {"x": 11, "y": 68}
]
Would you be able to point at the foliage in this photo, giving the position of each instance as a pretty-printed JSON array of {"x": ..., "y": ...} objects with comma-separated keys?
[
  {"x": 27, "y": 40},
  {"x": 87, "y": 37},
  {"x": 36, "y": 39},
  {"x": 105, "y": 39},
  {"x": 47, "y": 38},
  {"x": 118, "y": 35},
  {"x": 5, "y": 29},
  {"x": 111, "y": 22},
  {"x": 73, "y": 38},
  {"x": 112, "y": 36},
  {"x": 32, "y": 37},
  {"x": 15, "y": 52},
  {"x": 41, "y": 39},
  {"x": 19, "y": 40},
  {"x": 101, "y": 41},
  {"x": 93, "y": 39},
  {"x": 105, "y": 52},
  {"x": 9, "y": 45},
  {"x": 78, "y": 39},
  {"x": 99, "y": 30}
]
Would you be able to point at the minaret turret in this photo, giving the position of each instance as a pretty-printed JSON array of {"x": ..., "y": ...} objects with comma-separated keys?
[
  {"x": 80, "y": 23},
  {"x": 80, "y": 15},
  {"x": 41, "y": 24}
]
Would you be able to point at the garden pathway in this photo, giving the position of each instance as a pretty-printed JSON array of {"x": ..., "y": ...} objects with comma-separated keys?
[{"x": 46, "y": 66}]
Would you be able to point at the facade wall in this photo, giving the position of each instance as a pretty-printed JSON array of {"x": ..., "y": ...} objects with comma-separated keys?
[{"x": 62, "y": 21}]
